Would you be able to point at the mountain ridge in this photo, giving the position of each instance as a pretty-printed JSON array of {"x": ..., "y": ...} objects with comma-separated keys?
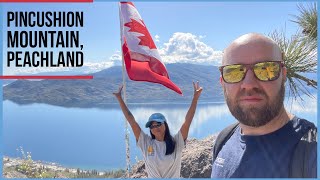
[{"x": 98, "y": 91}]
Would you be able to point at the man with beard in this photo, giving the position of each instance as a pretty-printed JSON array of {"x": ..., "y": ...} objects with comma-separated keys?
[{"x": 262, "y": 144}]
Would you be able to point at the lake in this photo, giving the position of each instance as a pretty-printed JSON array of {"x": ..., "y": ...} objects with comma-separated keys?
[{"x": 94, "y": 138}]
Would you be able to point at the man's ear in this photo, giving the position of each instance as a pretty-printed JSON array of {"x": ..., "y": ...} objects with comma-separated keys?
[
  {"x": 221, "y": 80},
  {"x": 284, "y": 73}
]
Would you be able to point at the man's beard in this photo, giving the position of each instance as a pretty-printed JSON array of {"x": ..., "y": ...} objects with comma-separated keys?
[{"x": 255, "y": 116}]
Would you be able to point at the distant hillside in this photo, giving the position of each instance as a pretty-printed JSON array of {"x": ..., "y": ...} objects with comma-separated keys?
[{"x": 98, "y": 92}]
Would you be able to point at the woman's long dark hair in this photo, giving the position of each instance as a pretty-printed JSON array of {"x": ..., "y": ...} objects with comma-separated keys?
[{"x": 170, "y": 143}]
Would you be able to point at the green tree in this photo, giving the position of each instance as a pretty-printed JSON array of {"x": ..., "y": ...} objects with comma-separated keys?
[
  {"x": 300, "y": 51},
  {"x": 307, "y": 20}
]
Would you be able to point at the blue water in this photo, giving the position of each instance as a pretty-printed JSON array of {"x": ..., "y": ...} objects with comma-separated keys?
[{"x": 94, "y": 138}]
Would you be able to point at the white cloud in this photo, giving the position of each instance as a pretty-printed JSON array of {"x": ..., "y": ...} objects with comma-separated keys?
[
  {"x": 116, "y": 58},
  {"x": 201, "y": 36},
  {"x": 157, "y": 38},
  {"x": 95, "y": 67},
  {"x": 188, "y": 48}
]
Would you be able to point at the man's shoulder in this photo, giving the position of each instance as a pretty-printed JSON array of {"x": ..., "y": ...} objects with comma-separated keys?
[
  {"x": 223, "y": 137},
  {"x": 303, "y": 162},
  {"x": 301, "y": 121},
  {"x": 304, "y": 126}
]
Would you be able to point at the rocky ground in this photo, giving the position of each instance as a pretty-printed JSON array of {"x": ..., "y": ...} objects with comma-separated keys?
[
  {"x": 196, "y": 163},
  {"x": 196, "y": 160}
]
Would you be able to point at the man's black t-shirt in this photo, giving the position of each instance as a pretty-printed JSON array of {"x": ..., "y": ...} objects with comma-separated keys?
[{"x": 269, "y": 155}]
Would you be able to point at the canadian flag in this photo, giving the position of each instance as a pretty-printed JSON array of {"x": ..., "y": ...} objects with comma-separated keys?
[{"x": 141, "y": 57}]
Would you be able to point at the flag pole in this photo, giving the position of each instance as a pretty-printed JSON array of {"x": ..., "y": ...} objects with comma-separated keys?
[{"x": 125, "y": 101}]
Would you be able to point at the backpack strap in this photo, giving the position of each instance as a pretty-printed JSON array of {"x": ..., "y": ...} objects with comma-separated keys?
[
  {"x": 222, "y": 138},
  {"x": 299, "y": 167}
]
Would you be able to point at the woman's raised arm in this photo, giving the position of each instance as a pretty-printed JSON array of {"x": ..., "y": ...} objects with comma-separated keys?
[{"x": 130, "y": 118}]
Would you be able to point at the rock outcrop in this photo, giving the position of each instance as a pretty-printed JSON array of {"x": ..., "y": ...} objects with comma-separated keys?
[{"x": 196, "y": 160}]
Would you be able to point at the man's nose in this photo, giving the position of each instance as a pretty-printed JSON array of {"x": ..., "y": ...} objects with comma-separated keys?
[{"x": 249, "y": 81}]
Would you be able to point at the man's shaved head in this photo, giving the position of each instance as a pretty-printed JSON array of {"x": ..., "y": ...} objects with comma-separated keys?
[{"x": 249, "y": 41}]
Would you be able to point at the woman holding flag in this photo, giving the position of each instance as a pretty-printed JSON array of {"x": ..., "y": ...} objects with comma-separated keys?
[{"x": 161, "y": 151}]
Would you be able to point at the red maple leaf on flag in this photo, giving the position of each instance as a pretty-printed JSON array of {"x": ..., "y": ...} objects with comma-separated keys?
[
  {"x": 140, "y": 61},
  {"x": 145, "y": 39}
]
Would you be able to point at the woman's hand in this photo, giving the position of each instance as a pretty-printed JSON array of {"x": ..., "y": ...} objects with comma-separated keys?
[
  {"x": 197, "y": 90},
  {"x": 118, "y": 93}
]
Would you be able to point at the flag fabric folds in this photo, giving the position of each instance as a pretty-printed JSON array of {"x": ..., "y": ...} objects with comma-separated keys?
[{"x": 141, "y": 57}]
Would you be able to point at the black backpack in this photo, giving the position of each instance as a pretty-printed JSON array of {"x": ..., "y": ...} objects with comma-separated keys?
[{"x": 299, "y": 166}]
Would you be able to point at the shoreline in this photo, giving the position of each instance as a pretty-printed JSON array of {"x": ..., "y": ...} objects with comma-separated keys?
[
  {"x": 13, "y": 161},
  {"x": 11, "y": 167}
]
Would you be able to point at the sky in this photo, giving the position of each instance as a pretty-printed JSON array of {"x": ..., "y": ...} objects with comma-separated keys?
[{"x": 189, "y": 32}]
